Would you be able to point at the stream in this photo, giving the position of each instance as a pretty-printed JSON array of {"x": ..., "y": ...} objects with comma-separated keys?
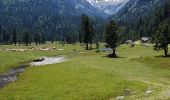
[{"x": 11, "y": 75}]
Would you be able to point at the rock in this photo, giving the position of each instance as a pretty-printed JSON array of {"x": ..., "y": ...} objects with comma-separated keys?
[
  {"x": 127, "y": 92},
  {"x": 46, "y": 49},
  {"x": 149, "y": 91},
  {"x": 48, "y": 60},
  {"x": 39, "y": 60},
  {"x": 54, "y": 47},
  {"x": 22, "y": 50},
  {"x": 60, "y": 49},
  {"x": 14, "y": 50},
  {"x": 7, "y": 49},
  {"x": 120, "y": 97}
]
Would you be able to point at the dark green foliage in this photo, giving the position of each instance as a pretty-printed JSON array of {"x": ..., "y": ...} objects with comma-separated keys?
[
  {"x": 97, "y": 47},
  {"x": 26, "y": 38},
  {"x": 5, "y": 37},
  {"x": 72, "y": 38},
  {"x": 14, "y": 37},
  {"x": 92, "y": 34},
  {"x": 139, "y": 20},
  {"x": 87, "y": 31},
  {"x": 1, "y": 34},
  {"x": 162, "y": 36},
  {"x": 111, "y": 36},
  {"x": 43, "y": 39},
  {"x": 55, "y": 19},
  {"x": 37, "y": 38}
]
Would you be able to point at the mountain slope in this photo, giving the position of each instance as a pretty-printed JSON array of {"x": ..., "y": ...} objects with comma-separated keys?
[
  {"x": 136, "y": 8},
  {"x": 108, "y": 6},
  {"x": 139, "y": 18},
  {"x": 68, "y": 7},
  {"x": 45, "y": 16}
]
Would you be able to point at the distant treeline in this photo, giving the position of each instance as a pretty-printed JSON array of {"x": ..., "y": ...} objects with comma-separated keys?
[
  {"x": 52, "y": 22},
  {"x": 145, "y": 26},
  {"x": 26, "y": 36}
]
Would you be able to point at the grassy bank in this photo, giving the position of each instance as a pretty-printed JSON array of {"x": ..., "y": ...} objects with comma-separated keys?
[
  {"x": 93, "y": 76},
  {"x": 9, "y": 59}
]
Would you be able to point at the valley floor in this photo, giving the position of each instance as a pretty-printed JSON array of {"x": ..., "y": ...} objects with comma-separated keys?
[{"x": 138, "y": 73}]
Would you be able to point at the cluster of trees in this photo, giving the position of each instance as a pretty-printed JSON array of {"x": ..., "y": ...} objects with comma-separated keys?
[
  {"x": 88, "y": 36},
  {"x": 111, "y": 37},
  {"x": 162, "y": 21},
  {"x": 15, "y": 37},
  {"x": 52, "y": 33},
  {"x": 141, "y": 22},
  {"x": 155, "y": 24},
  {"x": 52, "y": 18},
  {"x": 87, "y": 31},
  {"x": 44, "y": 26}
]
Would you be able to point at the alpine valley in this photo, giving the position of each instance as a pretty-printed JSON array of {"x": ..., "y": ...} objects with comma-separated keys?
[{"x": 59, "y": 18}]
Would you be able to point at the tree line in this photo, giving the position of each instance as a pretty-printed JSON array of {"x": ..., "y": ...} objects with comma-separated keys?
[
  {"x": 156, "y": 26},
  {"x": 15, "y": 37}
]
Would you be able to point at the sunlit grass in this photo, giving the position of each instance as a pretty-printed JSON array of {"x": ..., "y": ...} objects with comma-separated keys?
[{"x": 92, "y": 76}]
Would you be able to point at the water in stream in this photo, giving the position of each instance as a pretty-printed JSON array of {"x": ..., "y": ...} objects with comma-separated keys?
[{"x": 11, "y": 75}]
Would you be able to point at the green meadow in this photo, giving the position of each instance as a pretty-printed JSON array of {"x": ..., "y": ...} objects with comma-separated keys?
[{"x": 139, "y": 73}]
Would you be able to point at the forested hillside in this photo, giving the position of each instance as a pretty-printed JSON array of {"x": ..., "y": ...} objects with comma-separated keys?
[
  {"x": 142, "y": 18},
  {"x": 53, "y": 19},
  {"x": 60, "y": 19}
]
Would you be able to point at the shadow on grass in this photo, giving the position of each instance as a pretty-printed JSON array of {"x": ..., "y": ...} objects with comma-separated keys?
[
  {"x": 163, "y": 56},
  {"x": 110, "y": 56}
]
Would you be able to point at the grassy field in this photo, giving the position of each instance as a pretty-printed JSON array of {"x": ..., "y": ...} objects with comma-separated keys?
[
  {"x": 90, "y": 76},
  {"x": 10, "y": 59}
]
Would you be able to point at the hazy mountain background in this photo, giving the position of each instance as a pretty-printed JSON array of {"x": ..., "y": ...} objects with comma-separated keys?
[
  {"x": 108, "y": 6},
  {"x": 58, "y": 18},
  {"x": 45, "y": 16},
  {"x": 137, "y": 8}
]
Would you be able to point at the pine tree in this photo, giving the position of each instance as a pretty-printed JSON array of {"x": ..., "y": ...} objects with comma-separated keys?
[
  {"x": 14, "y": 37},
  {"x": 85, "y": 29},
  {"x": 26, "y": 38},
  {"x": 112, "y": 37},
  {"x": 80, "y": 36},
  {"x": 92, "y": 34},
  {"x": 43, "y": 39},
  {"x": 166, "y": 9},
  {"x": 4, "y": 36},
  {"x": 1, "y": 34},
  {"x": 162, "y": 37},
  {"x": 37, "y": 38}
]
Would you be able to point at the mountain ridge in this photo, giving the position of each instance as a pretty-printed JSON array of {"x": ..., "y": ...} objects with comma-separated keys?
[
  {"x": 110, "y": 7},
  {"x": 136, "y": 8}
]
